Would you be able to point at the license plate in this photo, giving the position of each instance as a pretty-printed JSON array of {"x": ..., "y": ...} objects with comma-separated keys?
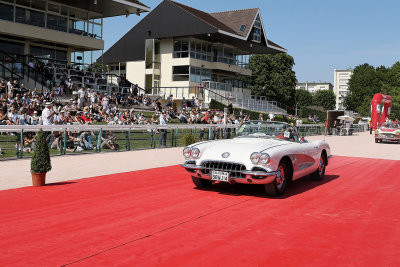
[{"x": 220, "y": 176}]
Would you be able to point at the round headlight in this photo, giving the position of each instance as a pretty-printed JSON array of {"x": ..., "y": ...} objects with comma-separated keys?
[
  {"x": 195, "y": 153},
  {"x": 186, "y": 152},
  {"x": 255, "y": 157},
  {"x": 264, "y": 158}
]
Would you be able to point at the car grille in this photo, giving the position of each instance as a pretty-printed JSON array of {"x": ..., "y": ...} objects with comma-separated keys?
[
  {"x": 388, "y": 135},
  {"x": 235, "y": 170}
]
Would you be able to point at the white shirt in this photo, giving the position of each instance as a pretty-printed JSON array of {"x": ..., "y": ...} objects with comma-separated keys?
[
  {"x": 271, "y": 116},
  {"x": 45, "y": 114},
  {"x": 81, "y": 93},
  {"x": 163, "y": 121},
  {"x": 105, "y": 101}
]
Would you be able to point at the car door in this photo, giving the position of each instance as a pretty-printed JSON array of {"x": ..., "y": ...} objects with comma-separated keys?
[{"x": 305, "y": 156}]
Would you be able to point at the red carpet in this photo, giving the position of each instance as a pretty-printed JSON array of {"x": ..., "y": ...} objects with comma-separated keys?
[{"x": 157, "y": 218}]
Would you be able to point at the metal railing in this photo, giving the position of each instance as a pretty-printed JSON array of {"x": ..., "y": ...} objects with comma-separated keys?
[
  {"x": 80, "y": 139},
  {"x": 128, "y": 137},
  {"x": 250, "y": 102}
]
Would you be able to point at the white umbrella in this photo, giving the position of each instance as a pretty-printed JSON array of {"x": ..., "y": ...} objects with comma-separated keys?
[{"x": 345, "y": 118}]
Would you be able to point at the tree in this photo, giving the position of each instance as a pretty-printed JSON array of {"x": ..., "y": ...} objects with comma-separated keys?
[
  {"x": 325, "y": 98},
  {"x": 367, "y": 81},
  {"x": 40, "y": 162},
  {"x": 303, "y": 98},
  {"x": 273, "y": 77}
]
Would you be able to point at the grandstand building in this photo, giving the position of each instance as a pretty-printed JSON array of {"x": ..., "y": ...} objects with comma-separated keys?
[
  {"x": 58, "y": 31},
  {"x": 177, "y": 49}
]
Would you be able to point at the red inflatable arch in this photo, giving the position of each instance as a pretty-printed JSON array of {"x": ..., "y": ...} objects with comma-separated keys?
[{"x": 380, "y": 109}]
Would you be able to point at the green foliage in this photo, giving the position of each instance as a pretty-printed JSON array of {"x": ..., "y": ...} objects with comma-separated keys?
[
  {"x": 253, "y": 114},
  {"x": 216, "y": 105},
  {"x": 98, "y": 67},
  {"x": 273, "y": 77},
  {"x": 305, "y": 111},
  {"x": 188, "y": 139},
  {"x": 304, "y": 98},
  {"x": 367, "y": 81},
  {"x": 41, "y": 156},
  {"x": 325, "y": 99}
]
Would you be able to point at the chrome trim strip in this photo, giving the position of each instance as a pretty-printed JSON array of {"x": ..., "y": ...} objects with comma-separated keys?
[
  {"x": 260, "y": 173},
  {"x": 193, "y": 167}
]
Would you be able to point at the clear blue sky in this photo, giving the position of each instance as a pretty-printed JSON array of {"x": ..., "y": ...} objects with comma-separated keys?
[{"x": 320, "y": 35}]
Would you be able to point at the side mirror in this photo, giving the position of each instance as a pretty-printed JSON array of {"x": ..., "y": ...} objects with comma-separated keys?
[{"x": 302, "y": 139}]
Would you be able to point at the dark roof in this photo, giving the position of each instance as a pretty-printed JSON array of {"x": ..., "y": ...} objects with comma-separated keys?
[
  {"x": 236, "y": 18},
  {"x": 206, "y": 17},
  {"x": 173, "y": 20},
  {"x": 275, "y": 44}
]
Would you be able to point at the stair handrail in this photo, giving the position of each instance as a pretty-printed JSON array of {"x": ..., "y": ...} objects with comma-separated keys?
[{"x": 25, "y": 67}]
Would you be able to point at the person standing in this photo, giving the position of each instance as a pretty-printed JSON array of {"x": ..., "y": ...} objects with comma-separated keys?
[
  {"x": 163, "y": 132},
  {"x": 47, "y": 114},
  {"x": 81, "y": 95},
  {"x": 230, "y": 107},
  {"x": 271, "y": 116}
]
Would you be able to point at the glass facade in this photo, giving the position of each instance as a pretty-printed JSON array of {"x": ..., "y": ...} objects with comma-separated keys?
[
  {"x": 52, "y": 16},
  {"x": 210, "y": 52},
  {"x": 48, "y": 53},
  {"x": 199, "y": 74}
]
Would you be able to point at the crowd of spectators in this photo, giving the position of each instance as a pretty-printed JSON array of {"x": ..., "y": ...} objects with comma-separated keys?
[{"x": 22, "y": 106}]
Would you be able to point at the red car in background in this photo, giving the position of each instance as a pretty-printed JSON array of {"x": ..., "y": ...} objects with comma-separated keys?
[{"x": 387, "y": 131}]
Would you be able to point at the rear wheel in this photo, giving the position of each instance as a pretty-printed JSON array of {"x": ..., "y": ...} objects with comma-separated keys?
[
  {"x": 201, "y": 182},
  {"x": 278, "y": 186},
  {"x": 320, "y": 172}
]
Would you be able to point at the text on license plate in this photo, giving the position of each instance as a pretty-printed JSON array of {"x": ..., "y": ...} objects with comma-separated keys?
[{"x": 220, "y": 176}]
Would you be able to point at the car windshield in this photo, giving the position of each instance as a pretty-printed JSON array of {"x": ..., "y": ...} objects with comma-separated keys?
[
  {"x": 263, "y": 129},
  {"x": 389, "y": 125}
]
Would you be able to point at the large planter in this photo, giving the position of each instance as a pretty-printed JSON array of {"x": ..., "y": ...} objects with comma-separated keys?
[{"x": 38, "y": 179}]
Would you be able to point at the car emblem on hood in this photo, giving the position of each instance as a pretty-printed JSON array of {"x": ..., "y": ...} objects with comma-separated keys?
[{"x": 225, "y": 155}]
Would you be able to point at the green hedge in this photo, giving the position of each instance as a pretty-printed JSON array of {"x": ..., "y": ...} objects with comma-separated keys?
[
  {"x": 305, "y": 111},
  {"x": 253, "y": 114}
]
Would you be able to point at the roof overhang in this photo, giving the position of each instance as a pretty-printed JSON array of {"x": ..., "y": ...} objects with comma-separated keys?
[
  {"x": 107, "y": 8},
  {"x": 240, "y": 43}
]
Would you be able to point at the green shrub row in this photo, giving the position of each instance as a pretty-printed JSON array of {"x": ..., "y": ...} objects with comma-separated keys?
[
  {"x": 305, "y": 111},
  {"x": 253, "y": 114}
]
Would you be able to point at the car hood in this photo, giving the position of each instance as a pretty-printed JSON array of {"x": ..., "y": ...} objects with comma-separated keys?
[
  {"x": 238, "y": 148},
  {"x": 388, "y": 130}
]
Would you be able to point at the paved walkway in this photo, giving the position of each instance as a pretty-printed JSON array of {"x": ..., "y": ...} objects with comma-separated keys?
[{"x": 16, "y": 173}]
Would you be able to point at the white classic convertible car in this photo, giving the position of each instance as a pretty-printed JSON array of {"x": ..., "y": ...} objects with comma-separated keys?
[{"x": 268, "y": 153}]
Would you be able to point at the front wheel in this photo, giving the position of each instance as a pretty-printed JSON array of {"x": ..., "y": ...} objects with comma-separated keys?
[
  {"x": 376, "y": 140},
  {"x": 201, "y": 182},
  {"x": 320, "y": 172},
  {"x": 278, "y": 186}
]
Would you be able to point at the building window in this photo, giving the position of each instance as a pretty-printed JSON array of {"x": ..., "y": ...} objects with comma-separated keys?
[
  {"x": 57, "y": 23},
  {"x": 199, "y": 74},
  {"x": 256, "y": 31},
  {"x": 12, "y": 47},
  {"x": 180, "y": 73},
  {"x": 242, "y": 28},
  {"x": 6, "y": 12},
  {"x": 343, "y": 87},
  {"x": 343, "y": 81},
  {"x": 181, "y": 49}
]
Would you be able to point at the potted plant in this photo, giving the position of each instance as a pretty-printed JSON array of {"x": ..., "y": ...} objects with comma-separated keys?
[{"x": 40, "y": 163}]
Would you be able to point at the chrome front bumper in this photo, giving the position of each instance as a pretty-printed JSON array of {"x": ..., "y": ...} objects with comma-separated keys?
[{"x": 251, "y": 177}]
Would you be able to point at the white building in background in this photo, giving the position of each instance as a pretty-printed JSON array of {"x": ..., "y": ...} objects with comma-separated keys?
[
  {"x": 313, "y": 87},
  {"x": 341, "y": 85}
]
